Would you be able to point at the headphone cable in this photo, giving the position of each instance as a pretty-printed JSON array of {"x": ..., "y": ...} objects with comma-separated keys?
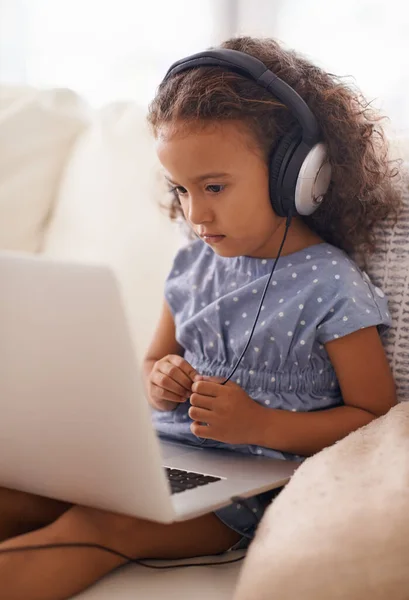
[
  {"x": 130, "y": 559},
  {"x": 287, "y": 226},
  {"x": 138, "y": 561}
]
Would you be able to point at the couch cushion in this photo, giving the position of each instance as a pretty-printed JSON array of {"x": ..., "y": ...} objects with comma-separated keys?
[
  {"x": 340, "y": 528},
  {"x": 108, "y": 211},
  {"x": 134, "y": 582},
  {"x": 37, "y": 129}
]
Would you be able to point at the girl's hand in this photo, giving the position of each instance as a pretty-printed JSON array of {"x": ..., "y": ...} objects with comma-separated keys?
[
  {"x": 170, "y": 382},
  {"x": 228, "y": 410}
]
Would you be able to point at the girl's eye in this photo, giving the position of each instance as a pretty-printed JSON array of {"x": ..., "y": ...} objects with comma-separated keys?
[
  {"x": 178, "y": 190},
  {"x": 215, "y": 189}
]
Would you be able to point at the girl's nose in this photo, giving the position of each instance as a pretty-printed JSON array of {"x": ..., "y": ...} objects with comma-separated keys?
[{"x": 199, "y": 211}]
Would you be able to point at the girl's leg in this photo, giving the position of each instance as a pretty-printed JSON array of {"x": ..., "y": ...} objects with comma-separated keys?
[
  {"x": 21, "y": 512},
  {"x": 58, "y": 574}
]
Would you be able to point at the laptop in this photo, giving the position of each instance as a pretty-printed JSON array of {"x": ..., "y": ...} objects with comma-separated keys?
[{"x": 75, "y": 424}]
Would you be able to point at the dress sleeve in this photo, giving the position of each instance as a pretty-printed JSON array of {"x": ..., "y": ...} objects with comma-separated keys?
[
  {"x": 176, "y": 284},
  {"x": 356, "y": 305}
]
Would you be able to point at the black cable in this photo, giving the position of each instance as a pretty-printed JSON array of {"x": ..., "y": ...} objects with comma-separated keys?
[
  {"x": 287, "y": 226},
  {"x": 138, "y": 561},
  {"x": 115, "y": 553}
]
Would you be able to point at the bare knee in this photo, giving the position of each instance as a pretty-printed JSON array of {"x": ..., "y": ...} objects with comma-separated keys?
[
  {"x": 21, "y": 512},
  {"x": 92, "y": 524},
  {"x": 86, "y": 525}
]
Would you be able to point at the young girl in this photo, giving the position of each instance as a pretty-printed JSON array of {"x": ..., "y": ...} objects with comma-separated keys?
[{"x": 315, "y": 369}]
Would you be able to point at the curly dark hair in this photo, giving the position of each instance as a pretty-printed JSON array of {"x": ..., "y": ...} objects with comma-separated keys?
[{"x": 362, "y": 193}]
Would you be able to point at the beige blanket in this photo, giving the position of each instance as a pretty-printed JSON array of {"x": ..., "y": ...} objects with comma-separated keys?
[{"x": 340, "y": 529}]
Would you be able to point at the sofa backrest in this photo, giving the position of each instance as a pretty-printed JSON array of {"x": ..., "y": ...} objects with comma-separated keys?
[
  {"x": 107, "y": 210},
  {"x": 37, "y": 130}
]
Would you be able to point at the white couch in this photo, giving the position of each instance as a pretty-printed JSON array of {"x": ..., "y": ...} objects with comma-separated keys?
[{"x": 83, "y": 185}]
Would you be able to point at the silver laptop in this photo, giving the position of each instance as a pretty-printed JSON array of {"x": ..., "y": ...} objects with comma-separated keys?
[{"x": 75, "y": 424}]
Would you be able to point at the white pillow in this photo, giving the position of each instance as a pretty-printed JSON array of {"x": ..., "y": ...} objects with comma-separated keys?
[
  {"x": 108, "y": 211},
  {"x": 340, "y": 528},
  {"x": 37, "y": 129}
]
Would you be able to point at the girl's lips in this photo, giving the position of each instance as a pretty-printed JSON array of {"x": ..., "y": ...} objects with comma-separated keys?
[{"x": 213, "y": 239}]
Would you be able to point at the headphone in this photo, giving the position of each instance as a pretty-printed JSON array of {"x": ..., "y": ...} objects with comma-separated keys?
[{"x": 299, "y": 171}]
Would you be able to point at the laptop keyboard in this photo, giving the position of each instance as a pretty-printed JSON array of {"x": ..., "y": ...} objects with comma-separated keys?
[{"x": 185, "y": 480}]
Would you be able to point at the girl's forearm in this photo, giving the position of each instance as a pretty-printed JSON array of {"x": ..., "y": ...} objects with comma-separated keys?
[{"x": 305, "y": 433}]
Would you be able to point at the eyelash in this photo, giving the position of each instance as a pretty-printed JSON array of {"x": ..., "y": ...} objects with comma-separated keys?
[{"x": 177, "y": 193}]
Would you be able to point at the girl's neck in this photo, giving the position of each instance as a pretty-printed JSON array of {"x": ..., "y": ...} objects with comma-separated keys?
[{"x": 299, "y": 236}]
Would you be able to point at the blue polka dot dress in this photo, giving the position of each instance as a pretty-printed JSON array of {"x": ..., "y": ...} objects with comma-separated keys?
[{"x": 316, "y": 295}]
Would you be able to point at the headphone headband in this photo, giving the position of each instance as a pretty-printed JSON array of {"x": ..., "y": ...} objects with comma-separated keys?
[
  {"x": 254, "y": 69},
  {"x": 299, "y": 172}
]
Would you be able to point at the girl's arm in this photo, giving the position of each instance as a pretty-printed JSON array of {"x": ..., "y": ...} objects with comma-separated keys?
[
  {"x": 163, "y": 343},
  {"x": 367, "y": 388}
]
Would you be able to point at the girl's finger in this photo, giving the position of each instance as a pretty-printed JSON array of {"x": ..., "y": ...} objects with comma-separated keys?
[
  {"x": 200, "y": 414},
  {"x": 200, "y": 401},
  {"x": 206, "y": 388},
  {"x": 175, "y": 374},
  {"x": 201, "y": 431},
  {"x": 169, "y": 385},
  {"x": 161, "y": 394}
]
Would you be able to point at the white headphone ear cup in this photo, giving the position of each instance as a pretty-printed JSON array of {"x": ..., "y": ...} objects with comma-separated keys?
[{"x": 313, "y": 180}]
